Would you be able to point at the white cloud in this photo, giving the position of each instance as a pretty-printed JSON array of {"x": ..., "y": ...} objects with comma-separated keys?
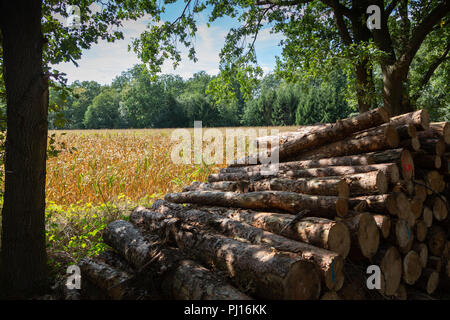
[{"x": 104, "y": 61}]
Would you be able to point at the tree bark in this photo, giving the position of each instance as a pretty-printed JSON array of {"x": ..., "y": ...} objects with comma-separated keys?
[
  {"x": 167, "y": 268},
  {"x": 364, "y": 233},
  {"x": 319, "y": 232},
  {"x": 324, "y": 206},
  {"x": 23, "y": 256},
  {"x": 265, "y": 273},
  {"x": 327, "y": 186},
  {"x": 328, "y": 263},
  {"x": 324, "y": 135}
]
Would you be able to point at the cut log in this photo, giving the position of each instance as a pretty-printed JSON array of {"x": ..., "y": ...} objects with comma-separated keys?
[
  {"x": 390, "y": 263},
  {"x": 113, "y": 283},
  {"x": 356, "y": 144},
  {"x": 437, "y": 239},
  {"x": 438, "y": 206},
  {"x": 265, "y": 273},
  {"x": 416, "y": 205},
  {"x": 422, "y": 251},
  {"x": 176, "y": 276},
  {"x": 383, "y": 203},
  {"x": 372, "y": 182},
  {"x": 323, "y": 233},
  {"x": 329, "y": 263},
  {"x": 231, "y": 186},
  {"x": 443, "y": 129},
  {"x": 402, "y": 235},
  {"x": 324, "y": 206},
  {"x": 401, "y": 157},
  {"x": 428, "y": 280},
  {"x": 328, "y": 186},
  {"x": 364, "y": 233},
  {"x": 420, "y": 191},
  {"x": 434, "y": 182},
  {"x": 427, "y": 216},
  {"x": 421, "y": 230},
  {"x": 411, "y": 267},
  {"x": 420, "y": 119},
  {"x": 325, "y": 134},
  {"x": 384, "y": 224},
  {"x": 355, "y": 160}
]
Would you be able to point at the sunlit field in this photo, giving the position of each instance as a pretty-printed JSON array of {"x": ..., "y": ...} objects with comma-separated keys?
[{"x": 100, "y": 166}]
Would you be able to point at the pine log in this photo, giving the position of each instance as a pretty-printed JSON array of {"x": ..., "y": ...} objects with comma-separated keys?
[
  {"x": 263, "y": 272},
  {"x": 443, "y": 129},
  {"x": 355, "y": 160},
  {"x": 438, "y": 206},
  {"x": 328, "y": 186},
  {"x": 433, "y": 180},
  {"x": 421, "y": 230},
  {"x": 437, "y": 239},
  {"x": 383, "y": 223},
  {"x": 401, "y": 157},
  {"x": 324, "y": 206},
  {"x": 323, "y": 233},
  {"x": 113, "y": 283},
  {"x": 427, "y": 216},
  {"x": 383, "y": 203},
  {"x": 390, "y": 263},
  {"x": 420, "y": 191},
  {"x": 325, "y": 134},
  {"x": 230, "y": 186},
  {"x": 364, "y": 233},
  {"x": 420, "y": 119},
  {"x": 176, "y": 276},
  {"x": 402, "y": 235},
  {"x": 422, "y": 250},
  {"x": 411, "y": 267},
  {"x": 428, "y": 280},
  {"x": 373, "y": 182},
  {"x": 329, "y": 263},
  {"x": 416, "y": 205},
  {"x": 356, "y": 144}
]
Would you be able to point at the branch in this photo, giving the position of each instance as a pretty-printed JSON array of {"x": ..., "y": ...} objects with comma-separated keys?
[
  {"x": 281, "y": 3},
  {"x": 431, "y": 71},
  {"x": 422, "y": 30},
  {"x": 182, "y": 14},
  {"x": 339, "y": 12},
  {"x": 391, "y": 7}
]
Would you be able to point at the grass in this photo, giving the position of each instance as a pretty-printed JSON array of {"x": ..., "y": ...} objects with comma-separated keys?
[{"x": 99, "y": 176}]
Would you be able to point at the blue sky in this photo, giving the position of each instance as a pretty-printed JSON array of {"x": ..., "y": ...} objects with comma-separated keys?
[{"x": 104, "y": 61}]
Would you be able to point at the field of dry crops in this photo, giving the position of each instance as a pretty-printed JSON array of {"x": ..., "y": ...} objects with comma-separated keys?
[{"x": 98, "y": 166}]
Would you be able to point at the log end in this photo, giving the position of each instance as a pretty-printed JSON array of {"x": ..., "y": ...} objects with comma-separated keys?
[
  {"x": 339, "y": 239},
  {"x": 302, "y": 282},
  {"x": 341, "y": 207},
  {"x": 368, "y": 235},
  {"x": 412, "y": 268},
  {"x": 391, "y": 265}
]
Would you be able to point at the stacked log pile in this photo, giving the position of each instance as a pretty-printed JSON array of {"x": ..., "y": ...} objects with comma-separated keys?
[{"x": 367, "y": 190}]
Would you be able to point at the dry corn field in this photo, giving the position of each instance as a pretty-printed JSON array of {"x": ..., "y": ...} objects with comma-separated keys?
[{"x": 97, "y": 166}]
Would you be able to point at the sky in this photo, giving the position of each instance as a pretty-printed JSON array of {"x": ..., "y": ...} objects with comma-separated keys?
[{"x": 104, "y": 61}]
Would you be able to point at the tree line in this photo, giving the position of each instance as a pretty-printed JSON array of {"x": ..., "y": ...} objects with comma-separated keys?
[{"x": 135, "y": 99}]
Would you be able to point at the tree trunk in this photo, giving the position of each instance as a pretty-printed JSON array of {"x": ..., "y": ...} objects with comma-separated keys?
[
  {"x": 265, "y": 273},
  {"x": 324, "y": 206},
  {"x": 394, "y": 92},
  {"x": 420, "y": 119},
  {"x": 23, "y": 256},
  {"x": 319, "y": 232},
  {"x": 328, "y": 263},
  {"x": 167, "y": 268},
  {"x": 326, "y": 186}
]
